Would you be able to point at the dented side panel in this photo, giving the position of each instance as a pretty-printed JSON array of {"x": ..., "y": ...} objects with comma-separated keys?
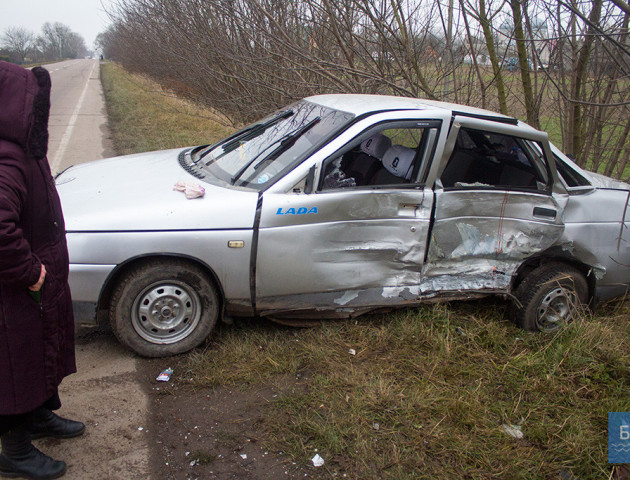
[
  {"x": 349, "y": 243},
  {"x": 598, "y": 234},
  {"x": 348, "y": 251},
  {"x": 481, "y": 237}
]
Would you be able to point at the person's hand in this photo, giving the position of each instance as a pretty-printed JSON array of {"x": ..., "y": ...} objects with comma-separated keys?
[{"x": 40, "y": 282}]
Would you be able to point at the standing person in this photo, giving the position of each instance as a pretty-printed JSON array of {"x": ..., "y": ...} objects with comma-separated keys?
[{"x": 36, "y": 322}]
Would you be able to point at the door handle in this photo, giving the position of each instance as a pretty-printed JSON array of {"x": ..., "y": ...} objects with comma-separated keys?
[
  {"x": 545, "y": 212},
  {"x": 409, "y": 208}
]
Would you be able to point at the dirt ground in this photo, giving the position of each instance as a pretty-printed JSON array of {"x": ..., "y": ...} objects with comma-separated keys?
[
  {"x": 214, "y": 433},
  {"x": 138, "y": 428},
  {"x": 104, "y": 394}
]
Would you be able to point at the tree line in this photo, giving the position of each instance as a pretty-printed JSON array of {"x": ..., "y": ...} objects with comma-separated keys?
[
  {"x": 561, "y": 65},
  {"x": 56, "y": 41}
]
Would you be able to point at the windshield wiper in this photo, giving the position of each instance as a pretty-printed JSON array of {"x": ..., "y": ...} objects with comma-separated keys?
[
  {"x": 288, "y": 141},
  {"x": 247, "y": 134},
  {"x": 285, "y": 142}
]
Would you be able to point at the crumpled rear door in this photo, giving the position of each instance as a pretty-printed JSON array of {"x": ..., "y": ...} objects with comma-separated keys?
[{"x": 494, "y": 208}]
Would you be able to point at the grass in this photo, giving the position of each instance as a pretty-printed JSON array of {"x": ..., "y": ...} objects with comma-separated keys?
[
  {"x": 143, "y": 116},
  {"x": 418, "y": 393},
  {"x": 428, "y": 390}
]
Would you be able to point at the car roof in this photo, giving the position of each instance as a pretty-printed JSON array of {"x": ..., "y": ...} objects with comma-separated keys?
[{"x": 360, "y": 104}]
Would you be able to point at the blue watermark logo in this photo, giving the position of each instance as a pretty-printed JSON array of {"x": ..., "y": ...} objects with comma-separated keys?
[{"x": 618, "y": 437}]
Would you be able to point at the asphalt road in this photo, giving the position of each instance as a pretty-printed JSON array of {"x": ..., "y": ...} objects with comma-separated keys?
[
  {"x": 78, "y": 121},
  {"x": 104, "y": 393}
]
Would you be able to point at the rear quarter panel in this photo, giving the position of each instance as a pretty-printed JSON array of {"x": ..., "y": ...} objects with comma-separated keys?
[{"x": 597, "y": 232}]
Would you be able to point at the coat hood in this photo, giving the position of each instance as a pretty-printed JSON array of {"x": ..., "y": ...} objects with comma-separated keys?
[{"x": 25, "y": 107}]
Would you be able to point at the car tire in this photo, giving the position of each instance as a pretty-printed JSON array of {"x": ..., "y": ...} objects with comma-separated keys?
[
  {"x": 164, "y": 307},
  {"x": 550, "y": 297}
]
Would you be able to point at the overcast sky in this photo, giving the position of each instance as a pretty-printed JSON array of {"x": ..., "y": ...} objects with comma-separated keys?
[{"x": 85, "y": 17}]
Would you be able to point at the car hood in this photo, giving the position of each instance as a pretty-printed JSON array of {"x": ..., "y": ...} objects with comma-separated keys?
[{"x": 135, "y": 193}]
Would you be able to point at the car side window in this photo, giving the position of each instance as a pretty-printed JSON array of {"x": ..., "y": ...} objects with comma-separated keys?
[
  {"x": 492, "y": 159},
  {"x": 386, "y": 156},
  {"x": 570, "y": 176}
]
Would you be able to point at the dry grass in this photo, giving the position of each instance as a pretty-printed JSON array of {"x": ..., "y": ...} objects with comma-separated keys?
[
  {"x": 143, "y": 116},
  {"x": 428, "y": 390}
]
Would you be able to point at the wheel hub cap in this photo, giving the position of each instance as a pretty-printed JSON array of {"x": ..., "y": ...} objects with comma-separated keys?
[
  {"x": 555, "y": 309},
  {"x": 166, "y": 312}
]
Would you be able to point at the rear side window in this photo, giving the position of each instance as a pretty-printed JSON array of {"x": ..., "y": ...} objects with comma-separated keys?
[
  {"x": 570, "y": 176},
  {"x": 489, "y": 159}
]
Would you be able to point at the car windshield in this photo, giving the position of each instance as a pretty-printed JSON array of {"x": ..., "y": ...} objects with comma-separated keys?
[{"x": 259, "y": 154}]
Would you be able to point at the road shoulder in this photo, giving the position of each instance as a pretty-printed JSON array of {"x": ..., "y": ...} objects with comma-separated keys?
[{"x": 104, "y": 394}]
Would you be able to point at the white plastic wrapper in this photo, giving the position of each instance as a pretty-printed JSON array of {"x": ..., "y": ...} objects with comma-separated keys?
[
  {"x": 317, "y": 460},
  {"x": 513, "y": 430},
  {"x": 191, "y": 190}
]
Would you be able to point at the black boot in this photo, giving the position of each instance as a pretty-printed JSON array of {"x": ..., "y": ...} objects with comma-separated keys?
[
  {"x": 45, "y": 423},
  {"x": 19, "y": 458}
]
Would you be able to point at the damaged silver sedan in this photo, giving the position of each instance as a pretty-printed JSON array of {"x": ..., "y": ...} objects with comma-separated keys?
[{"x": 336, "y": 206}]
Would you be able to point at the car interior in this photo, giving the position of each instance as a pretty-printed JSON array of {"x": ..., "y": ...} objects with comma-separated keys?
[
  {"x": 496, "y": 160},
  {"x": 384, "y": 158}
]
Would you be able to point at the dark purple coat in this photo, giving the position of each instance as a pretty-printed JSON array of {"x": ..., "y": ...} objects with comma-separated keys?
[{"x": 36, "y": 339}]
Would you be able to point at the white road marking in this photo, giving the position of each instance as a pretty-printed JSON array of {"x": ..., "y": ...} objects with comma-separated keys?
[{"x": 63, "y": 144}]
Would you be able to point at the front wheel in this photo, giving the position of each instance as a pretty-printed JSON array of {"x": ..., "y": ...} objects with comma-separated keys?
[
  {"x": 164, "y": 307},
  {"x": 550, "y": 297}
]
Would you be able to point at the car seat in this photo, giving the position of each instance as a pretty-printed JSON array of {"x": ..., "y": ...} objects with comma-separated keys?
[
  {"x": 366, "y": 163},
  {"x": 397, "y": 166}
]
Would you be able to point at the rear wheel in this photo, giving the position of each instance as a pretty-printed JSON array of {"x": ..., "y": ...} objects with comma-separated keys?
[
  {"x": 550, "y": 297},
  {"x": 164, "y": 307}
]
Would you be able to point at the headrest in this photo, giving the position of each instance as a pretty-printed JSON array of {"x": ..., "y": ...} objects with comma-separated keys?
[
  {"x": 398, "y": 160},
  {"x": 376, "y": 145}
]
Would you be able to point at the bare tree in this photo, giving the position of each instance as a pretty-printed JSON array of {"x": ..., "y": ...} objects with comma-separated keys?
[
  {"x": 524, "y": 62},
  {"x": 578, "y": 80},
  {"x": 19, "y": 41},
  {"x": 59, "y": 41},
  {"x": 560, "y": 64},
  {"x": 481, "y": 13}
]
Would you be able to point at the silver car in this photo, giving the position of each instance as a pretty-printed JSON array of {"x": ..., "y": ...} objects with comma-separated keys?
[{"x": 336, "y": 206}]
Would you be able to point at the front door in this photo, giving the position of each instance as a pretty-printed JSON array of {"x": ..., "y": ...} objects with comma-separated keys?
[{"x": 357, "y": 242}]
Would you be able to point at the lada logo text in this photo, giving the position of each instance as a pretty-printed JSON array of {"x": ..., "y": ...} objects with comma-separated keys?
[{"x": 298, "y": 211}]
